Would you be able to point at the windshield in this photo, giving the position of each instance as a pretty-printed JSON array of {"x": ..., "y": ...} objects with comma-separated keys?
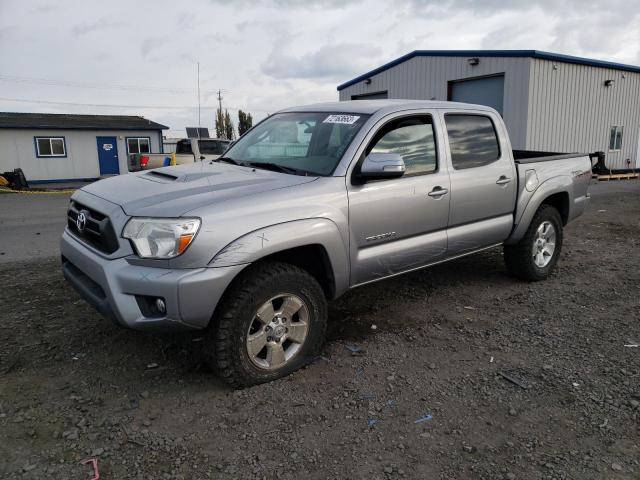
[{"x": 309, "y": 142}]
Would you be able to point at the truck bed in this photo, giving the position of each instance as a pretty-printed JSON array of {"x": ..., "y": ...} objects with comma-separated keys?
[
  {"x": 533, "y": 156},
  {"x": 572, "y": 170}
]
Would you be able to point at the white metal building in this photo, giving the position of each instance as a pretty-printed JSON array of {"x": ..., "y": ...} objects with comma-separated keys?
[
  {"x": 550, "y": 102},
  {"x": 64, "y": 147}
]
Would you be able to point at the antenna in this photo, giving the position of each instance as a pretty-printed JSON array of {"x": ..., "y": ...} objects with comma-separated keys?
[{"x": 199, "y": 126}]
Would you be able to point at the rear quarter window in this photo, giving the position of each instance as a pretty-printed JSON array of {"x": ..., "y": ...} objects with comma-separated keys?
[{"x": 473, "y": 140}]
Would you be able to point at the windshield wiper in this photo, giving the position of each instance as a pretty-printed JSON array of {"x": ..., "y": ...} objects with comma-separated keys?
[
  {"x": 227, "y": 160},
  {"x": 278, "y": 168}
]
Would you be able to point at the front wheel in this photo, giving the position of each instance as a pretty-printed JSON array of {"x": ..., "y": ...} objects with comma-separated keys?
[
  {"x": 536, "y": 254},
  {"x": 271, "y": 323}
]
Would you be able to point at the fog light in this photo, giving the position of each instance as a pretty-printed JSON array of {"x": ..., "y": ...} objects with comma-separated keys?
[{"x": 160, "y": 306}]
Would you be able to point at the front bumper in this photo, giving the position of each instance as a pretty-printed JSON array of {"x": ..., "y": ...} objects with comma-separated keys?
[{"x": 115, "y": 286}]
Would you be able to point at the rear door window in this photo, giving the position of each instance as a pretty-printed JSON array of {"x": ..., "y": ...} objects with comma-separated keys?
[{"x": 472, "y": 139}]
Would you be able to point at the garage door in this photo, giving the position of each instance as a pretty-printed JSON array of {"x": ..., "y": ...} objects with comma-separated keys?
[{"x": 483, "y": 91}]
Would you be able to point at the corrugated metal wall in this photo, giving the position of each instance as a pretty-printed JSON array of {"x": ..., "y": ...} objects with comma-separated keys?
[
  {"x": 426, "y": 78},
  {"x": 570, "y": 109}
]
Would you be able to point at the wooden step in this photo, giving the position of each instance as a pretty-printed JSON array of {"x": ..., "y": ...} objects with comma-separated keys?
[{"x": 616, "y": 176}]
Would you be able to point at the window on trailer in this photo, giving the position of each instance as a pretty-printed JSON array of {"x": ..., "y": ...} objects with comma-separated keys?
[
  {"x": 212, "y": 147},
  {"x": 50, "y": 147}
]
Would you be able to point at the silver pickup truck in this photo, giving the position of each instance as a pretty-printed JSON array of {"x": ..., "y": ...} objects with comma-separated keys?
[{"x": 311, "y": 202}]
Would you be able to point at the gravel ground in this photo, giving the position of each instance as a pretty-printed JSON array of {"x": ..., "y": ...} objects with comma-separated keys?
[{"x": 454, "y": 372}]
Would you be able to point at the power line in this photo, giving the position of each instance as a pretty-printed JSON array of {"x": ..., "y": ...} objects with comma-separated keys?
[
  {"x": 115, "y": 86},
  {"x": 103, "y": 105}
]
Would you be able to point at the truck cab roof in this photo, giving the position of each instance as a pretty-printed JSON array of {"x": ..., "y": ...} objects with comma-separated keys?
[{"x": 370, "y": 107}]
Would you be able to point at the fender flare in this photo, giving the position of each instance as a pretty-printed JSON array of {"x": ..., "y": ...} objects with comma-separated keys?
[
  {"x": 559, "y": 184},
  {"x": 271, "y": 239}
]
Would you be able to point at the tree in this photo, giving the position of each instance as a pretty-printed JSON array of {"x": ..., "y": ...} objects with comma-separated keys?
[
  {"x": 245, "y": 122},
  {"x": 229, "y": 132},
  {"x": 220, "y": 131}
]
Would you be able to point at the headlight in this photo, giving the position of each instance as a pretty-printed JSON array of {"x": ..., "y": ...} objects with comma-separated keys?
[{"x": 160, "y": 237}]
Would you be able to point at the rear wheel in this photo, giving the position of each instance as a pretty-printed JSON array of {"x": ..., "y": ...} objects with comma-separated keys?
[
  {"x": 536, "y": 254},
  {"x": 271, "y": 323}
]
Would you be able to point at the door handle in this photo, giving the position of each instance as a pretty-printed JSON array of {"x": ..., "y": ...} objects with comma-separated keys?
[
  {"x": 503, "y": 180},
  {"x": 438, "y": 192}
]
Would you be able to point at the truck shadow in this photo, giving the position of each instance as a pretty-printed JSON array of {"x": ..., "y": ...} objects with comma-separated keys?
[
  {"x": 56, "y": 334},
  {"x": 411, "y": 299}
]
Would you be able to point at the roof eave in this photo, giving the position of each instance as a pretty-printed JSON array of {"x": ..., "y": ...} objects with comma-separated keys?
[{"x": 58, "y": 127}]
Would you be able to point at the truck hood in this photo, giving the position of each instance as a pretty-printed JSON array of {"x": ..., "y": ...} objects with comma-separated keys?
[{"x": 174, "y": 191}]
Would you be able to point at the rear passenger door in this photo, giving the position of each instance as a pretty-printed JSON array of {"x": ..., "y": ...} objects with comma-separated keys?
[
  {"x": 483, "y": 181},
  {"x": 400, "y": 224}
]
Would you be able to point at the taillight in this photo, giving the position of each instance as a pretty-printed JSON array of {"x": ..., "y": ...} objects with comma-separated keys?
[{"x": 144, "y": 159}]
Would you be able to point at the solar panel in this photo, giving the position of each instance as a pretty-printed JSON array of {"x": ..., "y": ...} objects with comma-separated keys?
[{"x": 192, "y": 132}]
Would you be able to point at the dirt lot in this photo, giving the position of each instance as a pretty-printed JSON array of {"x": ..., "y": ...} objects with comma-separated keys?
[{"x": 73, "y": 386}]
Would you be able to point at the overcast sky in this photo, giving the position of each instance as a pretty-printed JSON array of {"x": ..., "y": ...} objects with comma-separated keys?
[{"x": 140, "y": 56}]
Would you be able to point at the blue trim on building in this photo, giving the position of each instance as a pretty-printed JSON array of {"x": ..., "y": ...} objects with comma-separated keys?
[
  {"x": 64, "y": 143},
  {"x": 558, "y": 57}
]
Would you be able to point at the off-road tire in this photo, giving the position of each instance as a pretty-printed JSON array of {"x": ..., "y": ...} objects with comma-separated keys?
[
  {"x": 226, "y": 350},
  {"x": 519, "y": 257}
]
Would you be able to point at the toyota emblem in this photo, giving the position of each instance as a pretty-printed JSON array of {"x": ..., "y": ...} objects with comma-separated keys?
[{"x": 81, "y": 221}]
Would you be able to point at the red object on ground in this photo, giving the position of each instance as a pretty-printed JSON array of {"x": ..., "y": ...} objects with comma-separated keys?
[{"x": 94, "y": 464}]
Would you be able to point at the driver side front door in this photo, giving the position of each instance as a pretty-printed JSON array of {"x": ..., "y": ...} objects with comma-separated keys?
[{"x": 400, "y": 224}]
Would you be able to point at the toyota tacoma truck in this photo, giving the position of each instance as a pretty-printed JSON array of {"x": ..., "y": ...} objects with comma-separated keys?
[{"x": 311, "y": 202}]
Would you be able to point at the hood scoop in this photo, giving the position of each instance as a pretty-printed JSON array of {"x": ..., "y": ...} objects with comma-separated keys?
[
  {"x": 156, "y": 175},
  {"x": 164, "y": 176}
]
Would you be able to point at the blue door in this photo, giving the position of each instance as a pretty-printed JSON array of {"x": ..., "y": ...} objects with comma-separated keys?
[{"x": 108, "y": 155}]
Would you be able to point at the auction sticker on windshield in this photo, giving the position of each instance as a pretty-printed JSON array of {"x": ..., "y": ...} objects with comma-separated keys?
[{"x": 346, "y": 119}]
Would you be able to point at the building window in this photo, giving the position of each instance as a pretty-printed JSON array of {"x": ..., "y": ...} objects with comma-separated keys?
[
  {"x": 138, "y": 145},
  {"x": 472, "y": 139},
  {"x": 50, "y": 147},
  {"x": 615, "y": 138}
]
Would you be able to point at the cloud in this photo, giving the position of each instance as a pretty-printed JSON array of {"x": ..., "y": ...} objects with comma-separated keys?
[
  {"x": 290, "y": 3},
  {"x": 329, "y": 62},
  {"x": 269, "y": 54},
  {"x": 95, "y": 27},
  {"x": 151, "y": 44}
]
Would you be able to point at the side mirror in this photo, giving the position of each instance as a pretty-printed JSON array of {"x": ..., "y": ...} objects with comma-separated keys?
[{"x": 382, "y": 165}]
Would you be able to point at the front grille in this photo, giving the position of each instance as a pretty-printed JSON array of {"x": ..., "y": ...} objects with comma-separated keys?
[{"x": 98, "y": 231}]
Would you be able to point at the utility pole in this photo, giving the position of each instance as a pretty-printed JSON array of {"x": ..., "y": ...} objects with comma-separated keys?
[
  {"x": 220, "y": 99},
  {"x": 199, "y": 126},
  {"x": 220, "y": 116}
]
